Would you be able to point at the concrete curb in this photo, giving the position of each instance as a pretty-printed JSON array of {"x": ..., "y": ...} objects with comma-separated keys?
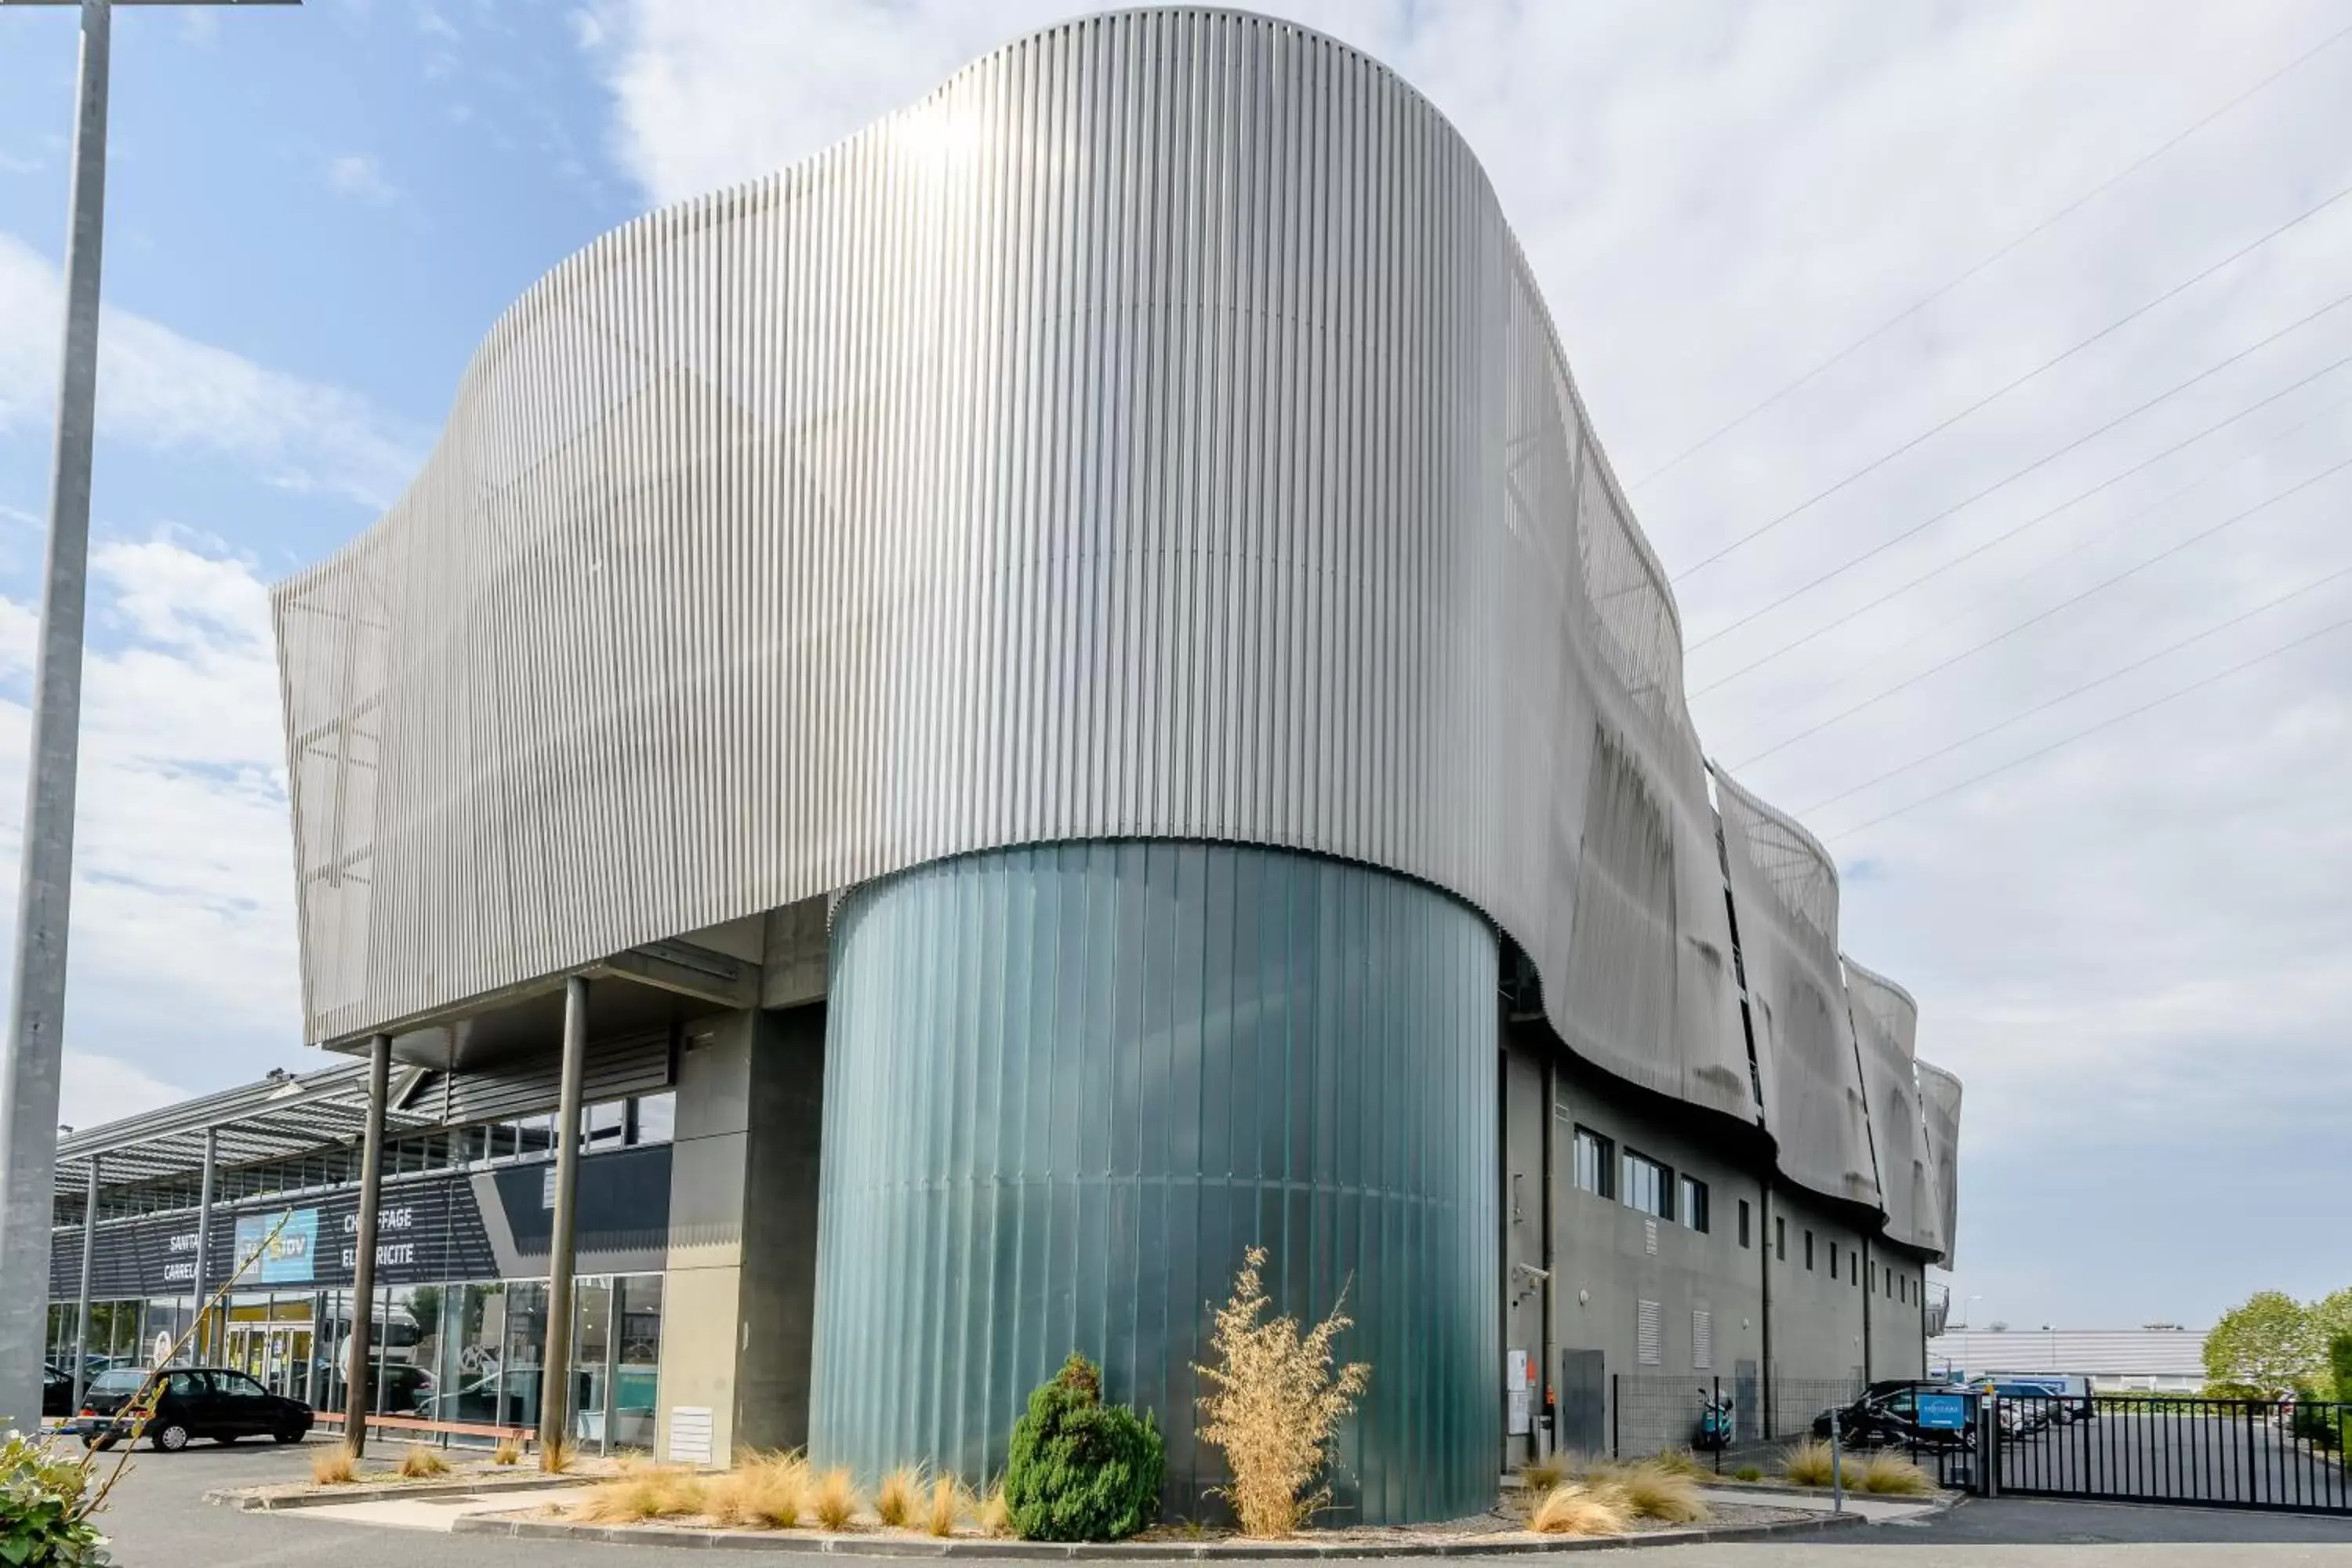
[
  {"x": 249, "y": 1500},
  {"x": 1158, "y": 1550}
]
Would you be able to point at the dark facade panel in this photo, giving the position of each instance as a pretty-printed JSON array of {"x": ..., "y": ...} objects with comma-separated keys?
[{"x": 1066, "y": 1086}]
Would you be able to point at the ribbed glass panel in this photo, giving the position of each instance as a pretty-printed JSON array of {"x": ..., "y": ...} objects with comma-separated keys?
[{"x": 1066, "y": 1086}]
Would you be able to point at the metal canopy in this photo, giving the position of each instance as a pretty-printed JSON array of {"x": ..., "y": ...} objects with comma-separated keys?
[{"x": 274, "y": 1119}]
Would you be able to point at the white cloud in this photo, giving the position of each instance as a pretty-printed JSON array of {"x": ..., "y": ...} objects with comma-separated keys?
[
  {"x": 358, "y": 174},
  {"x": 167, "y": 393},
  {"x": 2134, "y": 936},
  {"x": 17, "y": 164},
  {"x": 587, "y": 32},
  {"x": 182, "y": 946}
]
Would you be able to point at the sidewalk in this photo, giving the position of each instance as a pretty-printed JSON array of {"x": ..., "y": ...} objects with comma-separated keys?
[
  {"x": 434, "y": 1513},
  {"x": 1877, "y": 1510}
]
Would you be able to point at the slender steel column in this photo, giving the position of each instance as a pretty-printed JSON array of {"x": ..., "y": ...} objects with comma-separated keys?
[
  {"x": 355, "y": 1353},
  {"x": 555, "y": 1362},
  {"x": 202, "y": 1346},
  {"x": 88, "y": 1255},
  {"x": 28, "y": 1074}
]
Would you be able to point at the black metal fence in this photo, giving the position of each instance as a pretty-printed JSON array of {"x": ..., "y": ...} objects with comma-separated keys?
[
  {"x": 1649, "y": 1414},
  {"x": 2217, "y": 1453}
]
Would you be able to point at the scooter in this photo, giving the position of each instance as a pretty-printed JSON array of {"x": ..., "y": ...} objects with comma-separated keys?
[{"x": 1715, "y": 1422}]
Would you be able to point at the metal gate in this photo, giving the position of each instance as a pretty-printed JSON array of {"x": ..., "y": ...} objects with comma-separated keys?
[{"x": 2214, "y": 1453}]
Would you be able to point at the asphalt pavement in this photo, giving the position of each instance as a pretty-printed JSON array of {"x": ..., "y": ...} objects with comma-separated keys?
[{"x": 160, "y": 1519}]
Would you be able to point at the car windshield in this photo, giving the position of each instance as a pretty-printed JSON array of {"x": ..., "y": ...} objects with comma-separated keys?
[{"x": 126, "y": 1381}]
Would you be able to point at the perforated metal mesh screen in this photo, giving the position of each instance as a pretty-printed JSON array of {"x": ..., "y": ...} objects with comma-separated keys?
[{"x": 1156, "y": 432}]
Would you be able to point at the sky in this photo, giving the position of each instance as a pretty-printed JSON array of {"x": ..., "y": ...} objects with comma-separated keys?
[{"x": 2032, "y": 605}]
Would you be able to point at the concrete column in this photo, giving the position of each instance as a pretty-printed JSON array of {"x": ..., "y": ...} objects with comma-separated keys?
[
  {"x": 201, "y": 1347},
  {"x": 355, "y": 1353},
  {"x": 33, "y": 1047},
  {"x": 88, "y": 1255},
  {"x": 555, "y": 1362}
]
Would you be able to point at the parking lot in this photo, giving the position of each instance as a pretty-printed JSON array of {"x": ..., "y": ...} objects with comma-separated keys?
[{"x": 2184, "y": 1455}]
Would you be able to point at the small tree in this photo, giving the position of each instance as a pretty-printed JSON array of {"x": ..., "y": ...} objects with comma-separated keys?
[
  {"x": 2265, "y": 1346},
  {"x": 1276, "y": 1404},
  {"x": 1080, "y": 1469},
  {"x": 2339, "y": 1367}
]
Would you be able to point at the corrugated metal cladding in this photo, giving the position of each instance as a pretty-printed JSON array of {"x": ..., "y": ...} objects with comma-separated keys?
[
  {"x": 1068, "y": 1086},
  {"x": 1939, "y": 1098},
  {"x": 1886, "y": 1027},
  {"x": 1786, "y": 887},
  {"x": 1155, "y": 432}
]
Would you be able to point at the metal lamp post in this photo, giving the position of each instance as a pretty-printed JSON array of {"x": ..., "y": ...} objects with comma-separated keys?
[{"x": 30, "y": 1068}]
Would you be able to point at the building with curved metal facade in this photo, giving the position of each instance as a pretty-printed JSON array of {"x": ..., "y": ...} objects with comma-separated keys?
[{"x": 1152, "y": 444}]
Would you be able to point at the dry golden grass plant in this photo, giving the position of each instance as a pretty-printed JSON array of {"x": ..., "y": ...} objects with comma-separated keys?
[
  {"x": 1538, "y": 1476},
  {"x": 507, "y": 1452},
  {"x": 765, "y": 1489},
  {"x": 421, "y": 1463},
  {"x": 898, "y": 1496},
  {"x": 556, "y": 1458},
  {"x": 642, "y": 1492},
  {"x": 993, "y": 1514},
  {"x": 1893, "y": 1475},
  {"x": 1808, "y": 1464},
  {"x": 1680, "y": 1461},
  {"x": 832, "y": 1498},
  {"x": 1276, "y": 1401},
  {"x": 334, "y": 1467},
  {"x": 1658, "y": 1491},
  {"x": 1578, "y": 1508},
  {"x": 946, "y": 1506}
]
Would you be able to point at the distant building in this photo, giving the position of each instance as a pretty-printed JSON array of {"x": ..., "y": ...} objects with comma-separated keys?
[{"x": 2170, "y": 1360}]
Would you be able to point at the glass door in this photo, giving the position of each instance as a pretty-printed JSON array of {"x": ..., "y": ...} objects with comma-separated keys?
[{"x": 592, "y": 1360}]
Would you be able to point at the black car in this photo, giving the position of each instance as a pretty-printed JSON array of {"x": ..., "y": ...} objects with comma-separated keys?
[
  {"x": 1887, "y": 1415},
  {"x": 192, "y": 1402}
]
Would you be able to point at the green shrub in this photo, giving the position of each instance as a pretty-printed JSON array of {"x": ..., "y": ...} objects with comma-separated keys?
[
  {"x": 45, "y": 1503},
  {"x": 1080, "y": 1469},
  {"x": 2340, "y": 1366}
]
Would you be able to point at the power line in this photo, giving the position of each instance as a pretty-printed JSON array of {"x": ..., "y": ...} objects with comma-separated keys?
[
  {"x": 2046, "y": 459},
  {"x": 2164, "y": 554},
  {"x": 1898, "y": 320},
  {"x": 2095, "y": 728},
  {"x": 2044, "y": 707},
  {"x": 1991, "y": 397},
  {"x": 2037, "y": 520}
]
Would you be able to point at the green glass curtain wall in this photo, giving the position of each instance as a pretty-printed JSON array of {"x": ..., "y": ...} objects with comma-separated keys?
[{"x": 1067, "y": 1085}]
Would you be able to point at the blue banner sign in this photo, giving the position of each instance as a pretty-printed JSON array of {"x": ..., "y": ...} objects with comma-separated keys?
[
  {"x": 285, "y": 1256},
  {"x": 1943, "y": 1412}
]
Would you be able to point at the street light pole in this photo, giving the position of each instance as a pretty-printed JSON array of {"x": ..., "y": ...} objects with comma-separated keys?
[
  {"x": 29, "y": 1072},
  {"x": 30, "y": 1067}
]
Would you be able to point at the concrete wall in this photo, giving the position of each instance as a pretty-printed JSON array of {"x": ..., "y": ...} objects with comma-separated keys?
[
  {"x": 1609, "y": 1259},
  {"x": 1817, "y": 1316},
  {"x": 700, "y": 1308},
  {"x": 1897, "y": 1304},
  {"x": 778, "y": 1309}
]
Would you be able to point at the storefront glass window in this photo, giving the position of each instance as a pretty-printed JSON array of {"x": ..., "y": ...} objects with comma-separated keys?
[
  {"x": 637, "y": 1361},
  {"x": 526, "y": 1332},
  {"x": 656, "y": 1118},
  {"x": 591, "y": 1351},
  {"x": 473, "y": 1343}
]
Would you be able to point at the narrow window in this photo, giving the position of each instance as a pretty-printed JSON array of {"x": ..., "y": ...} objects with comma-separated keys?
[
  {"x": 1595, "y": 1163},
  {"x": 1695, "y": 1203},
  {"x": 1743, "y": 1222},
  {"x": 1780, "y": 1236},
  {"x": 1809, "y": 1249},
  {"x": 1834, "y": 1267},
  {"x": 1646, "y": 1184}
]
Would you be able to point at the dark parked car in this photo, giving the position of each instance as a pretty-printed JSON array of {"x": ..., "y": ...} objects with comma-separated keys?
[
  {"x": 193, "y": 1402},
  {"x": 1887, "y": 1415},
  {"x": 56, "y": 1392}
]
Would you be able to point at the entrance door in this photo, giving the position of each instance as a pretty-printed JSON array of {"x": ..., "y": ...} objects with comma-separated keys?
[{"x": 1583, "y": 1403}]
